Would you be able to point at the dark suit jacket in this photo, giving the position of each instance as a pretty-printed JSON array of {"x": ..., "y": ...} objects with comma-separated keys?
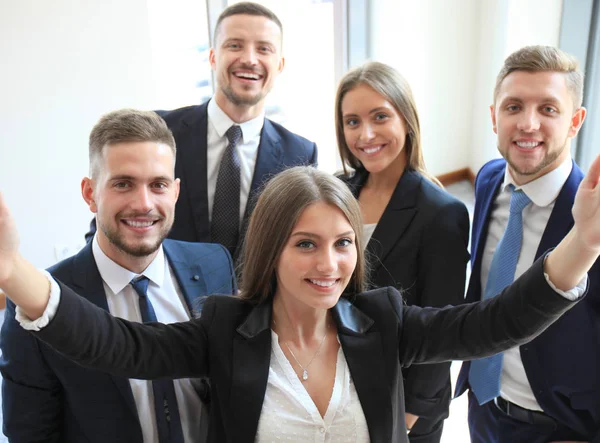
[
  {"x": 279, "y": 149},
  {"x": 47, "y": 398},
  {"x": 231, "y": 344},
  {"x": 562, "y": 364},
  {"x": 420, "y": 247}
]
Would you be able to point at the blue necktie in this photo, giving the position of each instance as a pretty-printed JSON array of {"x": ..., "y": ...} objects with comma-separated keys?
[
  {"x": 168, "y": 421},
  {"x": 225, "y": 223},
  {"x": 484, "y": 373}
]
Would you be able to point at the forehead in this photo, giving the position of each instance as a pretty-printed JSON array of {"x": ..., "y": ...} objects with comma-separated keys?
[
  {"x": 248, "y": 28},
  {"x": 363, "y": 98},
  {"x": 138, "y": 159},
  {"x": 322, "y": 219},
  {"x": 535, "y": 86}
]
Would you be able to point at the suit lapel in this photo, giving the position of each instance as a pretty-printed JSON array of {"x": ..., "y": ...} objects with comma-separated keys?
[
  {"x": 192, "y": 143},
  {"x": 189, "y": 277},
  {"x": 561, "y": 220},
  {"x": 361, "y": 345},
  {"x": 87, "y": 281},
  {"x": 250, "y": 371}
]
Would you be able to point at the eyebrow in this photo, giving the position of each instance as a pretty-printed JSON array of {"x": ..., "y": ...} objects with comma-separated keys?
[
  {"x": 372, "y": 111},
  {"x": 549, "y": 99},
  {"x": 312, "y": 235}
]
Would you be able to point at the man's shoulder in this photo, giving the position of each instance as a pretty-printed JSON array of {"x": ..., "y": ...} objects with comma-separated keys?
[
  {"x": 210, "y": 251},
  {"x": 491, "y": 167},
  {"x": 288, "y": 136},
  {"x": 188, "y": 114}
]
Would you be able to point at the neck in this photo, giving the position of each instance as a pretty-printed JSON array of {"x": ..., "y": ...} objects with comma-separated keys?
[
  {"x": 238, "y": 113},
  {"x": 301, "y": 325},
  {"x": 389, "y": 177},
  {"x": 123, "y": 259}
]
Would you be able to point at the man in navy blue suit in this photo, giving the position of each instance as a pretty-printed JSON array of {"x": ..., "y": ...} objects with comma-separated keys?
[
  {"x": 132, "y": 190},
  {"x": 547, "y": 390},
  {"x": 246, "y": 58}
]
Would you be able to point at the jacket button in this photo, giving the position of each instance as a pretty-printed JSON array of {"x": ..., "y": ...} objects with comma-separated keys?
[{"x": 196, "y": 277}]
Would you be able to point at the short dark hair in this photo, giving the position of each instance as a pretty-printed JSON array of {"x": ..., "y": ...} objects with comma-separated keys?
[
  {"x": 247, "y": 8},
  {"x": 127, "y": 125}
]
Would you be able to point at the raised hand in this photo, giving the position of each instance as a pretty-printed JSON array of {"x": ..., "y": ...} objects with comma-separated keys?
[
  {"x": 9, "y": 241},
  {"x": 586, "y": 209}
]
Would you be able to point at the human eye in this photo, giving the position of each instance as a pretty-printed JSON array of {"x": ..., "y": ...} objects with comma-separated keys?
[
  {"x": 512, "y": 108},
  {"x": 550, "y": 110},
  {"x": 121, "y": 185},
  {"x": 381, "y": 116},
  {"x": 351, "y": 122},
  {"x": 265, "y": 48},
  {"x": 305, "y": 244},
  {"x": 344, "y": 242},
  {"x": 160, "y": 186}
]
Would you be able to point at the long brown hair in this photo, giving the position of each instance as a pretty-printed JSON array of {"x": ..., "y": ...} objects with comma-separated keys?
[
  {"x": 388, "y": 82},
  {"x": 277, "y": 211}
]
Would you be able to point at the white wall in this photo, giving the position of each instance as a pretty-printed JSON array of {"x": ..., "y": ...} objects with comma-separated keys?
[
  {"x": 433, "y": 43},
  {"x": 64, "y": 63}
]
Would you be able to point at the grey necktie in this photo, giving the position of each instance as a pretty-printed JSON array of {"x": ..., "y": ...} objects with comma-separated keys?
[{"x": 225, "y": 225}]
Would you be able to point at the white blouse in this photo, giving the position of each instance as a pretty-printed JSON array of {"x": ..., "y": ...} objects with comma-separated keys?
[
  {"x": 368, "y": 230},
  {"x": 289, "y": 414}
]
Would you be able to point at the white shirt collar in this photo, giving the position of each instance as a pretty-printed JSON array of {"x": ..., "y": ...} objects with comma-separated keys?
[
  {"x": 543, "y": 190},
  {"x": 221, "y": 122},
  {"x": 117, "y": 277}
]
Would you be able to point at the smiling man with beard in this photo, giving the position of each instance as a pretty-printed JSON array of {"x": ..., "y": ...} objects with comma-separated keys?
[
  {"x": 130, "y": 270},
  {"x": 226, "y": 148},
  {"x": 547, "y": 390}
]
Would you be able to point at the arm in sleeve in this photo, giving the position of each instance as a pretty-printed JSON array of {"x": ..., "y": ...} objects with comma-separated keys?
[
  {"x": 519, "y": 314},
  {"x": 31, "y": 393},
  {"x": 93, "y": 338},
  {"x": 443, "y": 259}
]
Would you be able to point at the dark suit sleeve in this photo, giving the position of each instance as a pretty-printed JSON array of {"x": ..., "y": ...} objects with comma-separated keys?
[
  {"x": 31, "y": 394},
  {"x": 475, "y": 330},
  {"x": 442, "y": 263},
  {"x": 93, "y": 338}
]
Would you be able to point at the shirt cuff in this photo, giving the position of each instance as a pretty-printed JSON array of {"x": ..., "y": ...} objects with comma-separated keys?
[
  {"x": 574, "y": 293},
  {"x": 49, "y": 313}
]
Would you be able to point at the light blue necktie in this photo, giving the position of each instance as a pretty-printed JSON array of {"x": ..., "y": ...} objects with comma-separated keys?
[{"x": 484, "y": 374}]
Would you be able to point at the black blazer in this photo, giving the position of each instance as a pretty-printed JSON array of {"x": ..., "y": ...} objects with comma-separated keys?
[
  {"x": 231, "y": 344},
  {"x": 47, "y": 398},
  {"x": 420, "y": 247},
  {"x": 279, "y": 149}
]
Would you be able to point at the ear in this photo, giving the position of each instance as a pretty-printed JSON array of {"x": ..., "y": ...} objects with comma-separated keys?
[
  {"x": 177, "y": 185},
  {"x": 493, "y": 115},
  {"x": 87, "y": 192},
  {"x": 211, "y": 58},
  {"x": 577, "y": 121},
  {"x": 281, "y": 64}
]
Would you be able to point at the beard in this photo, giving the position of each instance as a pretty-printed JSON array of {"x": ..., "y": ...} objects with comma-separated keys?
[
  {"x": 117, "y": 239},
  {"x": 241, "y": 101},
  {"x": 549, "y": 158}
]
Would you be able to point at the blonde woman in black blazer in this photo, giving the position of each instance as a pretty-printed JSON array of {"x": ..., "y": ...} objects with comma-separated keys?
[
  {"x": 302, "y": 280},
  {"x": 421, "y": 233}
]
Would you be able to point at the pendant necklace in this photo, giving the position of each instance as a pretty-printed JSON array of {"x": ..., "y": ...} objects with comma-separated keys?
[{"x": 305, "y": 368}]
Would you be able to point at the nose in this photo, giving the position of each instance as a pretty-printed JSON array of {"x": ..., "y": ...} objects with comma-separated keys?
[
  {"x": 248, "y": 56},
  {"x": 142, "y": 200},
  {"x": 528, "y": 121},
  {"x": 367, "y": 133},
  {"x": 327, "y": 261}
]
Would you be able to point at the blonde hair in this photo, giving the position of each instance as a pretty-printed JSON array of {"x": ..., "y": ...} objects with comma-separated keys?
[
  {"x": 388, "y": 82},
  {"x": 277, "y": 211},
  {"x": 544, "y": 59}
]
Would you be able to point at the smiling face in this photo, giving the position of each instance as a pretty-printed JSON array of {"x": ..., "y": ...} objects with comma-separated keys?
[
  {"x": 133, "y": 195},
  {"x": 247, "y": 59},
  {"x": 373, "y": 130},
  {"x": 318, "y": 259},
  {"x": 535, "y": 120}
]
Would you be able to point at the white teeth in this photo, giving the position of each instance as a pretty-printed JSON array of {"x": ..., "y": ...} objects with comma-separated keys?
[
  {"x": 372, "y": 150},
  {"x": 139, "y": 224},
  {"x": 247, "y": 75},
  {"x": 323, "y": 283},
  {"x": 527, "y": 144}
]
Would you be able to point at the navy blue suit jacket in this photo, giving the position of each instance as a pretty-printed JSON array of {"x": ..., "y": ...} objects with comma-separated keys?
[
  {"x": 563, "y": 363},
  {"x": 47, "y": 398},
  {"x": 279, "y": 149}
]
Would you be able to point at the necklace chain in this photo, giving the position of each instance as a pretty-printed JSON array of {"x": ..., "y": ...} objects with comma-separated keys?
[{"x": 305, "y": 368}]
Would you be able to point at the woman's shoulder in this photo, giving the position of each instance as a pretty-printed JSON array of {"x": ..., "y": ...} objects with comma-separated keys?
[{"x": 379, "y": 300}]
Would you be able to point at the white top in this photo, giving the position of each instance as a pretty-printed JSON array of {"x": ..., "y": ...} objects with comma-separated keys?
[
  {"x": 368, "y": 230},
  {"x": 514, "y": 385},
  {"x": 289, "y": 414},
  {"x": 247, "y": 149},
  {"x": 170, "y": 307}
]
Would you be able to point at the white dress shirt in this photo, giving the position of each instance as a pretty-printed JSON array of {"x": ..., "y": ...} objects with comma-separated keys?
[
  {"x": 247, "y": 149},
  {"x": 514, "y": 385},
  {"x": 289, "y": 414},
  {"x": 169, "y": 306}
]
